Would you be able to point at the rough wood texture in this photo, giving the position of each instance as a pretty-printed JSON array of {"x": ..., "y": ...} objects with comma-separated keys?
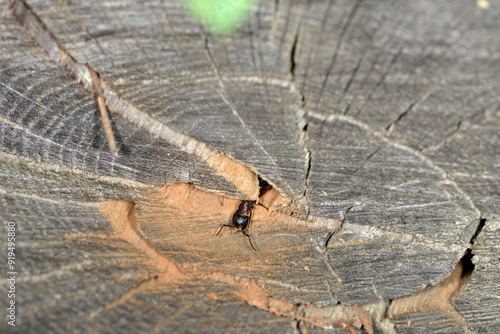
[{"x": 376, "y": 122}]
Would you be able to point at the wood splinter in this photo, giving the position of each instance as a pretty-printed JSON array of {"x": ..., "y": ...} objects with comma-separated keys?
[{"x": 104, "y": 113}]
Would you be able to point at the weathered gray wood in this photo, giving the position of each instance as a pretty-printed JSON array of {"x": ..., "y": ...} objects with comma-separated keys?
[
  {"x": 48, "y": 117},
  {"x": 378, "y": 122},
  {"x": 197, "y": 97},
  {"x": 471, "y": 157}
]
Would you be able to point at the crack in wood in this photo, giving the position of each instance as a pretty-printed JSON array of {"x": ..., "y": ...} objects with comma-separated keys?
[
  {"x": 379, "y": 83},
  {"x": 327, "y": 262},
  {"x": 464, "y": 124},
  {"x": 480, "y": 226},
  {"x": 425, "y": 94},
  {"x": 342, "y": 34},
  {"x": 293, "y": 49},
  {"x": 223, "y": 96},
  {"x": 445, "y": 177},
  {"x": 302, "y": 116},
  {"x": 439, "y": 297}
]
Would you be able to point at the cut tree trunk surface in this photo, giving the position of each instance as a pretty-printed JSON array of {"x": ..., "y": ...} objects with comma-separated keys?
[{"x": 376, "y": 123}]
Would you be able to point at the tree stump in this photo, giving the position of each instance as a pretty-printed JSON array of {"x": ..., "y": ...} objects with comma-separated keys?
[{"x": 376, "y": 123}]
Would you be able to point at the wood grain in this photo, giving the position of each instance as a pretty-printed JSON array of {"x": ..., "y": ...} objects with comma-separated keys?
[{"x": 377, "y": 123}]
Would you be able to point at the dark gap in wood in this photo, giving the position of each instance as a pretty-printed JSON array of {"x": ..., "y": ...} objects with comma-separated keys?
[
  {"x": 387, "y": 307},
  {"x": 400, "y": 117},
  {"x": 482, "y": 222},
  {"x": 467, "y": 265},
  {"x": 292, "y": 56},
  {"x": 328, "y": 238},
  {"x": 466, "y": 260},
  {"x": 308, "y": 171}
]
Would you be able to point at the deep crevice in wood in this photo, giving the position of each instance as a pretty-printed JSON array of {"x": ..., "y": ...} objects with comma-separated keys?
[
  {"x": 467, "y": 267},
  {"x": 292, "y": 54},
  {"x": 440, "y": 296},
  {"x": 480, "y": 226}
]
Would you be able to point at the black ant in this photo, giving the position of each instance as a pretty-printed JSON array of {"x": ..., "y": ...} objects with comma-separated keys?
[{"x": 241, "y": 218}]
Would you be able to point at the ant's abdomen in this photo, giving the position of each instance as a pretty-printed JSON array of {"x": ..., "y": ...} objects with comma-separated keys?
[{"x": 239, "y": 221}]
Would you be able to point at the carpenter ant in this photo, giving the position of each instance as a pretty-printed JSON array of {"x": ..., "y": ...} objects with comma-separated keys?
[{"x": 241, "y": 218}]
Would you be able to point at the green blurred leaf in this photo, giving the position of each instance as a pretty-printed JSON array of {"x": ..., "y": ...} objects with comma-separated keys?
[{"x": 223, "y": 16}]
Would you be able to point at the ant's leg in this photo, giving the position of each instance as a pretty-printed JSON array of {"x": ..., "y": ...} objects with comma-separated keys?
[
  {"x": 222, "y": 228},
  {"x": 249, "y": 239}
]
